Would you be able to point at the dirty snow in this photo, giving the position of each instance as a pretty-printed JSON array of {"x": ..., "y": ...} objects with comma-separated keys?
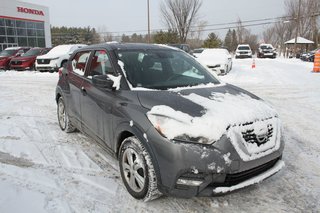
[{"x": 45, "y": 170}]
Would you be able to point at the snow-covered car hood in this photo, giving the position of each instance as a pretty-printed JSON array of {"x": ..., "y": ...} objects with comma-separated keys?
[
  {"x": 205, "y": 112},
  {"x": 51, "y": 55},
  {"x": 211, "y": 61}
]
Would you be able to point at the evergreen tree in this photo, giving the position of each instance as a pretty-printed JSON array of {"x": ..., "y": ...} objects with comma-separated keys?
[
  {"x": 212, "y": 41},
  {"x": 234, "y": 41},
  {"x": 169, "y": 37},
  {"x": 228, "y": 40}
]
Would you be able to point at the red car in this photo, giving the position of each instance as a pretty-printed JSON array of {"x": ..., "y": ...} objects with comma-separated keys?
[
  {"x": 27, "y": 60},
  {"x": 8, "y": 54}
]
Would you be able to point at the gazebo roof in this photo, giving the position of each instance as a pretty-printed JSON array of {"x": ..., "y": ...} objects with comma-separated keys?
[{"x": 300, "y": 40}]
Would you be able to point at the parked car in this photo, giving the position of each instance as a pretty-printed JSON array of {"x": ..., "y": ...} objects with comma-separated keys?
[
  {"x": 56, "y": 57},
  {"x": 216, "y": 59},
  {"x": 175, "y": 129},
  {"x": 184, "y": 47},
  {"x": 243, "y": 51},
  {"x": 309, "y": 56},
  {"x": 266, "y": 51},
  {"x": 27, "y": 60},
  {"x": 8, "y": 54},
  {"x": 197, "y": 52}
]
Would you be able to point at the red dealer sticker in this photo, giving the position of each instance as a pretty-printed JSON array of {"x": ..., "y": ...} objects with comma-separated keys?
[{"x": 30, "y": 11}]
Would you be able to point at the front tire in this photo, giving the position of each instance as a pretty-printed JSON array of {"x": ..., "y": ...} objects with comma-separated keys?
[
  {"x": 137, "y": 171},
  {"x": 63, "y": 118}
]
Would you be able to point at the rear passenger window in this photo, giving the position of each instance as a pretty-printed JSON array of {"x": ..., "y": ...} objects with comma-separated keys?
[
  {"x": 100, "y": 64},
  {"x": 79, "y": 62}
]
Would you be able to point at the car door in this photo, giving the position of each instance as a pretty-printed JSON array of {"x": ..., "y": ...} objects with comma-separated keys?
[
  {"x": 96, "y": 103},
  {"x": 76, "y": 77}
]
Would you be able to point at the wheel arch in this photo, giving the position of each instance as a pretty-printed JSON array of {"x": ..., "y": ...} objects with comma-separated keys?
[{"x": 126, "y": 131}]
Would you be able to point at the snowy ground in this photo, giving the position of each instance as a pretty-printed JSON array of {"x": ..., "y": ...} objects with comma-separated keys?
[{"x": 45, "y": 170}]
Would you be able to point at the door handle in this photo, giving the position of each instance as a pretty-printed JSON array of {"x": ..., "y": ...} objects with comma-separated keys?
[{"x": 83, "y": 91}]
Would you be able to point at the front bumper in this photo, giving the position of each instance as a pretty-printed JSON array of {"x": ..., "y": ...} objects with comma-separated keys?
[
  {"x": 207, "y": 170},
  {"x": 267, "y": 55},
  {"x": 22, "y": 66},
  {"x": 52, "y": 66}
]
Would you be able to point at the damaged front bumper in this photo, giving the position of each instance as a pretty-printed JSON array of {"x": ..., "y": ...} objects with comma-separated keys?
[{"x": 188, "y": 170}]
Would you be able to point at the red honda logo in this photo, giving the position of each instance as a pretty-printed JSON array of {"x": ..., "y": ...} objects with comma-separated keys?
[{"x": 30, "y": 11}]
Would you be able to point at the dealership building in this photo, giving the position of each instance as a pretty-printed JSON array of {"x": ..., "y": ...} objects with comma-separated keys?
[{"x": 24, "y": 24}]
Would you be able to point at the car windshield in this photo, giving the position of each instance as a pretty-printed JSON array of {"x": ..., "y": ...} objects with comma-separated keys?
[
  {"x": 163, "y": 69},
  {"x": 243, "y": 48},
  {"x": 266, "y": 47},
  {"x": 32, "y": 52},
  {"x": 8, "y": 52},
  {"x": 198, "y": 50}
]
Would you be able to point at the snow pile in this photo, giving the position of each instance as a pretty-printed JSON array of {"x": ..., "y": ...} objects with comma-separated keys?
[{"x": 222, "y": 111}]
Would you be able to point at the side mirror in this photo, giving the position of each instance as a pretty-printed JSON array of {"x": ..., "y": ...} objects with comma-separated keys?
[{"x": 102, "y": 81}]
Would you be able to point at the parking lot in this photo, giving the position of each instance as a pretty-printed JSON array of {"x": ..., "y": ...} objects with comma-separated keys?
[{"x": 46, "y": 170}]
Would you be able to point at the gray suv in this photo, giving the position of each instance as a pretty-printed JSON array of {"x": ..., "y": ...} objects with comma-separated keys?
[{"x": 174, "y": 128}]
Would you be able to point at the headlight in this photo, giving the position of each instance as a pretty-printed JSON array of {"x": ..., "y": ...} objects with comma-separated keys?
[
  {"x": 54, "y": 58},
  {"x": 171, "y": 128},
  {"x": 159, "y": 121}
]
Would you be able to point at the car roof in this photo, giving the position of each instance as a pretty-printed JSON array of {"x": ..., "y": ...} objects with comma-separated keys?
[{"x": 125, "y": 46}]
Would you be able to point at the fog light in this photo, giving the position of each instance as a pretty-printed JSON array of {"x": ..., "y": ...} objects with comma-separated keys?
[{"x": 189, "y": 182}]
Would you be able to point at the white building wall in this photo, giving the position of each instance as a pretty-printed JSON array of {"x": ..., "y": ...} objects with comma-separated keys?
[{"x": 9, "y": 8}]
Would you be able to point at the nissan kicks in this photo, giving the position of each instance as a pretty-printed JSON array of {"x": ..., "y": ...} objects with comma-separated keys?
[{"x": 174, "y": 128}]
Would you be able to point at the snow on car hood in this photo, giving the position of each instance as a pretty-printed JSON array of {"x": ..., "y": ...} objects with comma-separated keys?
[
  {"x": 51, "y": 55},
  {"x": 205, "y": 112},
  {"x": 210, "y": 59}
]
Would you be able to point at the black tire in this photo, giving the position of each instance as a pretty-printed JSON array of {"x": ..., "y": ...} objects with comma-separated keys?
[
  {"x": 63, "y": 118},
  {"x": 138, "y": 175}
]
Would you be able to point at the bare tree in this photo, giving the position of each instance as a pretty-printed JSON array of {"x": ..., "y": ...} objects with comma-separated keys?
[
  {"x": 286, "y": 28},
  {"x": 195, "y": 40},
  {"x": 240, "y": 31},
  {"x": 180, "y": 15},
  {"x": 105, "y": 36}
]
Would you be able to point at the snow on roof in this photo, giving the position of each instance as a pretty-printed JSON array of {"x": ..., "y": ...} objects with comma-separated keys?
[
  {"x": 300, "y": 40},
  {"x": 12, "y": 48}
]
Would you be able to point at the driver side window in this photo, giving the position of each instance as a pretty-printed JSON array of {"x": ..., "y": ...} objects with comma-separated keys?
[
  {"x": 100, "y": 64},
  {"x": 79, "y": 62}
]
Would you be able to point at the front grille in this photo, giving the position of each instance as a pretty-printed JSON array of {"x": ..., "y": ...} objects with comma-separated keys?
[
  {"x": 43, "y": 61},
  {"x": 234, "y": 179},
  {"x": 242, "y": 53},
  {"x": 16, "y": 62},
  {"x": 251, "y": 137}
]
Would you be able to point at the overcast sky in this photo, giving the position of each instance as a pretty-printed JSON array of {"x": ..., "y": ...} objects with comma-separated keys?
[{"x": 131, "y": 15}]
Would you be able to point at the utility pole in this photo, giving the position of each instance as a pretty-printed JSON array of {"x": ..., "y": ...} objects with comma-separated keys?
[
  {"x": 149, "y": 36},
  {"x": 297, "y": 30}
]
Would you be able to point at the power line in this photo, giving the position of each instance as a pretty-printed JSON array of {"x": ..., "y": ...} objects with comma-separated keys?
[{"x": 228, "y": 25}]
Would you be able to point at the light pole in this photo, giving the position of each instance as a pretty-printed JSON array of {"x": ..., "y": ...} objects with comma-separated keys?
[{"x": 149, "y": 37}]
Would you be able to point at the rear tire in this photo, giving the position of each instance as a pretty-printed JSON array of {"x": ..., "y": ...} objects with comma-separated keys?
[
  {"x": 137, "y": 171},
  {"x": 63, "y": 118}
]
